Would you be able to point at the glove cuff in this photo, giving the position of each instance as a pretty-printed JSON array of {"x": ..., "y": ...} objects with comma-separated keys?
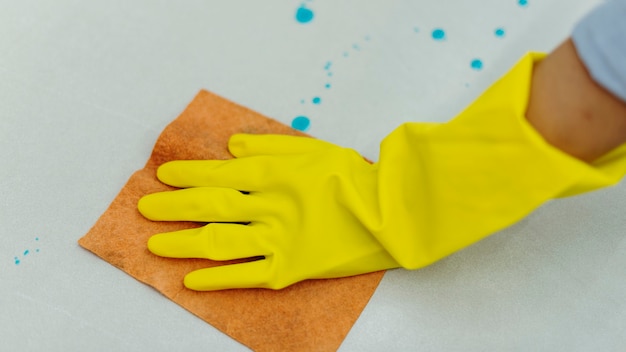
[{"x": 445, "y": 186}]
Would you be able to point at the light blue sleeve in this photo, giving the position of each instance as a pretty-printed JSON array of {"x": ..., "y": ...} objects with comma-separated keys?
[{"x": 600, "y": 40}]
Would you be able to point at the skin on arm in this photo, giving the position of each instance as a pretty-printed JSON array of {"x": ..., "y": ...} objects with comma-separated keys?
[{"x": 570, "y": 110}]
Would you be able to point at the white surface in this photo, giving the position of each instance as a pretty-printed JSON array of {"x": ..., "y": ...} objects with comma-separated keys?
[{"x": 87, "y": 86}]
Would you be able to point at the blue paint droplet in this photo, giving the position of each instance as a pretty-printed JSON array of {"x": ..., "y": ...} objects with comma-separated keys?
[
  {"x": 327, "y": 66},
  {"x": 301, "y": 123},
  {"x": 345, "y": 54},
  {"x": 367, "y": 38},
  {"x": 304, "y": 15},
  {"x": 522, "y": 2},
  {"x": 499, "y": 32},
  {"x": 26, "y": 252},
  {"x": 36, "y": 238},
  {"x": 316, "y": 100},
  {"x": 477, "y": 64},
  {"x": 416, "y": 30},
  {"x": 37, "y": 250},
  {"x": 356, "y": 47},
  {"x": 17, "y": 261},
  {"x": 330, "y": 74},
  {"x": 439, "y": 34},
  {"x": 302, "y": 101},
  {"x": 327, "y": 86}
]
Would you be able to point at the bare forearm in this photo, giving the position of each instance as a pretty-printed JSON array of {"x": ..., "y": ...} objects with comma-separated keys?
[{"x": 571, "y": 111}]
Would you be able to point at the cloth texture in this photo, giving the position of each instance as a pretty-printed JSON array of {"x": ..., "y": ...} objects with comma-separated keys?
[
  {"x": 313, "y": 315},
  {"x": 600, "y": 40}
]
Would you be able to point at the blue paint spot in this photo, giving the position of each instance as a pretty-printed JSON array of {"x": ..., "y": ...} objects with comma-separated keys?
[
  {"x": 499, "y": 32},
  {"x": 301, "y": 123},
  {"x": 302, "y": 101},
  {"x": 367, "y": 38},
  {"x": 304, "y": 15},
  {"x": 329, "y": 74},
  {"x": 439, "y": 34},
  {"x": 477, "y": 64},
  {"x": 416, "y": 30},
  {"x": 356, "y": 47},
  {"x": 522, "y": 3},
  {"x": 316, "y": 100},
  {"x": 327, "y": 66},
  {"x": 345, "y": 54},
  {"x": 26, "y": 252},
  {"x": 327, "y": 86}
]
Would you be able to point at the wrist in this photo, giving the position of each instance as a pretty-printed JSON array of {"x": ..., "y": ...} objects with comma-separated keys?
[{"x": 571, "y": 111}]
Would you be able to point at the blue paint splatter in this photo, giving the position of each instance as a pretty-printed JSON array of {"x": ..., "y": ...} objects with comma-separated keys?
[
  {"x": 522, "y": 3},
  {"x": 439, "y": 34},
  {"x": 328, "y": 67},
  {"x": 477, "y": 64},
  {"x": 304, "y": 15},
  {"x": 499, "y": 32},
  {"x": 26, "y": 252},
  {"x": 301, "y": 123}
]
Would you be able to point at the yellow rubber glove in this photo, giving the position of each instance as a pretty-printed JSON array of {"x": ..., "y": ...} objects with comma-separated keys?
[
  {"x": 316, "y": 210},
  {"x": 298, "y": 213}
]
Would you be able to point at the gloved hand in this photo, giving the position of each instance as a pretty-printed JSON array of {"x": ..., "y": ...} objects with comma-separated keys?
[
  {"x": 315, "y": 210},
  {"x": 302, "y": 208}
]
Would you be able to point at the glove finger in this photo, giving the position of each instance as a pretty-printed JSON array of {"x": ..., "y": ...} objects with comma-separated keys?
[
  {"x": 247, "y": 174},
  {"x": 203, "y": 204},
  {"x": 244, "y": 145},
  {"x": 212, "y": 241},
  {"x": 245, "y": 275}
]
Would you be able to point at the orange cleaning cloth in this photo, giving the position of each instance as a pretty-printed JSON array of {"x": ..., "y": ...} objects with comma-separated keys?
[{"x": 313, "y": 315}]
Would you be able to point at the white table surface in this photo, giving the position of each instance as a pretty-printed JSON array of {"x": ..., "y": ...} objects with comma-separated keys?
[{"x": 87, "y": 86}]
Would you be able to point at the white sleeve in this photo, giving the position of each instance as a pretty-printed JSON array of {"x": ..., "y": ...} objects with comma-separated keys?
[{"x": 600, "y": 40}]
